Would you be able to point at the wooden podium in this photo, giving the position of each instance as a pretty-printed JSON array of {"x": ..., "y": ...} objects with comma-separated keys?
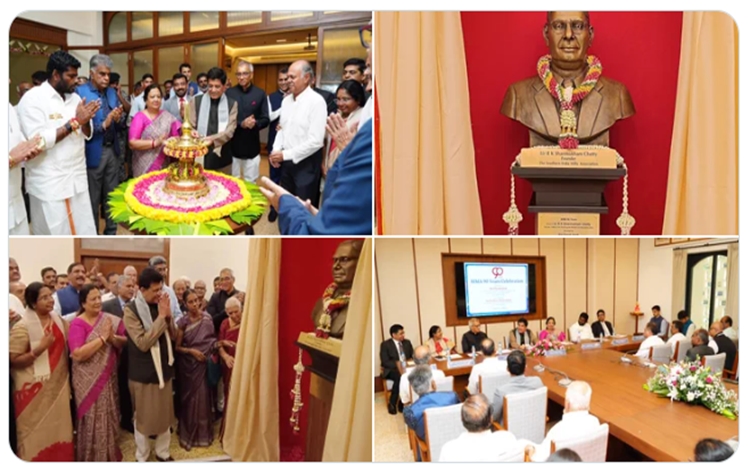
[
  {"x": 325, "y": 365},
  {"x": 568, "y": 188}
]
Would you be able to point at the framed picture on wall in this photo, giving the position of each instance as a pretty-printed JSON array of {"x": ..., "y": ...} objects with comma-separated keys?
[{"x": 661, "y": 241}]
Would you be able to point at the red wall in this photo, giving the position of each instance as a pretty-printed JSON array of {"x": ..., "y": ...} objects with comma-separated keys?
[
  {"x": 639, "y": 49},
  {"x": 305, "y": 273}
]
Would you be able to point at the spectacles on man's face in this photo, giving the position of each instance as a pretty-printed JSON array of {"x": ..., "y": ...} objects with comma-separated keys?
[
  {"x": 365, "y": 36},
  {"x": 576, "y": 26}
]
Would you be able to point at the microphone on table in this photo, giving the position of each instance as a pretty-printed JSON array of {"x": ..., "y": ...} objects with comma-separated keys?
[{"x": 564, "y": 382}]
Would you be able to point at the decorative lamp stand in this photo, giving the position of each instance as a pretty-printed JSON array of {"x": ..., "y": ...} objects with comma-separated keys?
[{"x": 186, "y": 179}]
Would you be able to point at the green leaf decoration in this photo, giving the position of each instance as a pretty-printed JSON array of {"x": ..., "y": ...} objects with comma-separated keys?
[{"x": 219, "y": 225}]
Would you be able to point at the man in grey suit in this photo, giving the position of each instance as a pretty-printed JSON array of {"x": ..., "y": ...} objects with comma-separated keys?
[
  {"x": 176, "y": 103},
  {"x": 124, "y": 292},
  {"x": 516, "y": 383},
  {"x": 700, "y": 346}
]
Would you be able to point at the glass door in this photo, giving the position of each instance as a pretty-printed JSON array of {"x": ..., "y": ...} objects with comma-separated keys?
[{"x": 706, "y": 292}]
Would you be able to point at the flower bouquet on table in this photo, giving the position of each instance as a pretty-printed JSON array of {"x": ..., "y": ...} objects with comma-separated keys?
[
  {"x": 541, "y": 347},
  {"x": 691, "y": 382}
]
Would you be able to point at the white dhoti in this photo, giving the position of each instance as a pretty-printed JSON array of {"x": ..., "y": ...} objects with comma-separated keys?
[
  {"x": 18, "y": 224},
  {"x": 246, "y": 169},
  {"x": 71, "y": 216}
]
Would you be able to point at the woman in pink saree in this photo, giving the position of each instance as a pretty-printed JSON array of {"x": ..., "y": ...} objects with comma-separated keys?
[
  {"x": 196, "y": 340},
  {"x": 95, "y": 341},
  {"x": 148, "y": 131}
]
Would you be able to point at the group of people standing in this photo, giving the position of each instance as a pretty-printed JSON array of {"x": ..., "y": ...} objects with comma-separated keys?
[
  {"x": 75, "y": 136},
  {"x": 130, "y": 362}
]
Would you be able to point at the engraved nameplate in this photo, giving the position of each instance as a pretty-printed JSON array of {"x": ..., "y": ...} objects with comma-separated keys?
[
  {"x": 620, "y": 341},
  {"x": 600, "y": 158},
  {"x": 567, "y": 224},
  {"x": 556, "y": 353},
  {"x": 331, "y": 346},
  {"x": 460, "y": 363},
  {"x": 589, "y": 346},
  {"x": 640, "y": 337}
]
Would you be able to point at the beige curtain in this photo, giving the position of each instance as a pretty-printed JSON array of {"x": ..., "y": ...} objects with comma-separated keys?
[
  {"x": 703, "y": 163},
  {"x": 349, "y": 436},
  {"x": 252, "y": 429},
  {"x": 679, "y": 279},
  {"x": 733, "y": 284},
  {"x": 428, "y": 175}
]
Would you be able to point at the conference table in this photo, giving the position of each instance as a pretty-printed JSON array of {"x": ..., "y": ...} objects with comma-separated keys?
[{"x": 656, "y": 427}]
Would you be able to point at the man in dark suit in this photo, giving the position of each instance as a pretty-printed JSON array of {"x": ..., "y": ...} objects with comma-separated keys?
[
  {"x": 725, "y": 344},
  {"x": 700, "y": 346},
  {"x": 602, "y": 327},
  {"x": 329, "y": 97},
  {"x": 124, "y": 292},
  {"x": 392, "y": 352},
  {"x": 420, "y": 380}
]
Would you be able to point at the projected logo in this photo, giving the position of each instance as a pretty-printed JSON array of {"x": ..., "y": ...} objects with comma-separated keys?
[{"x": 497, "y": 272}]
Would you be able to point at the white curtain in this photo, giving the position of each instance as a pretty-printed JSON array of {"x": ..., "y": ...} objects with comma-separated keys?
[
  {"x": 679, "y": 279},
  {"x": 733, "y": 284}
]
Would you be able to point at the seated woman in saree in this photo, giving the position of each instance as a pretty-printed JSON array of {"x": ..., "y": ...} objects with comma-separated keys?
[
  {"x": 229, "y": 333},
  {"x": 148, "y": 131},
  {"x": 39, "y": 367},
  {"x": 95, "y": 342},
  {"x": 196, "y": 340}
]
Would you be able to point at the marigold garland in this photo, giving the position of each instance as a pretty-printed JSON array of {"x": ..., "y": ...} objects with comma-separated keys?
[{"x": 568, "y": 122}]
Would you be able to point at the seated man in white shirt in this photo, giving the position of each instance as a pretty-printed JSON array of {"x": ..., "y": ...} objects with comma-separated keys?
[
  {"x": 421, "y": 357},
  {"x": 478, "y": 443},
  {"x": 729, "y": 330},
  {"x": 489, "y": 365},
  {"x": 576, "y": 420},
  {"x": 652, "y": 339},
  {"x": 581, "y": 330},
  {"x": 677, "y": 335}
]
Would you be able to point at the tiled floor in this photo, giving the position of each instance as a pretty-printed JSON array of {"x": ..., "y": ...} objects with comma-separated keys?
[
  {"x": 210, "y": 453},
  {"x": 391, "y": 440}
]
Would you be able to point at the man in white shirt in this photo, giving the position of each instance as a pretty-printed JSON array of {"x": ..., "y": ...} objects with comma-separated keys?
[
  {"x": 576, "y": 420},
  {"x": 652, "y": 339},
  {"x": 21, "y": 150},
  {"x": 729, "y": 330},
  {"x": 478, "y": 443},
  {"x": 421, "y": 357},
  {"x": 138, "y": 103},
  {"x": 581, "y": 330},
  {"x": 489, "y": 365},
  {"x": 298, "y": 146},
  {"x": 56, "y": 180},
  {"x": 677, "y": 335}
]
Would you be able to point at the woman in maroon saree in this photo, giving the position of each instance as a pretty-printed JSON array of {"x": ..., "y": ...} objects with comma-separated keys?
[
  {"x": 229, "y": 333},
  {"x": 95, "y": 342},
  {"x": 195, "y": 343}
]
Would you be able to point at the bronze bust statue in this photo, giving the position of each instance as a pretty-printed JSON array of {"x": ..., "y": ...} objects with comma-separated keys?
[
  {"x": 568, "y": 36},
  {"x": 329, "y": 313}
]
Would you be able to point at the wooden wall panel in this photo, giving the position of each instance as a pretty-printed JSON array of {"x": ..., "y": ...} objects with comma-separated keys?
[
  {"x": 626, "y": 285},
  {"x": 602, "y": 286},
  {"x": 394, "y": 259},
  {"x": 576, "y": 282},
  {"x": 553, "y": 250},
  {"x": 377, "y": 328},
  {"x": 430, "y": 285}
]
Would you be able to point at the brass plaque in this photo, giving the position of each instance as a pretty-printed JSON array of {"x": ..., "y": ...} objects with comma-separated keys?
[
  {"x": 330, "y": 346},
  {"x": 603, "y": 158},
  {"x": 567, "y": 224}
]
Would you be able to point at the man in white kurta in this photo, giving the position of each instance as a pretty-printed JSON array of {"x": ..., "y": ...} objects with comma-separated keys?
[
  {"x": 576, "y": 420},
  {"x": 652, "y": 339},
  {"x": 581, "y": 330},
  {"x": 677, "y": 336},
  {"x": 21, "y": 150},
  {"x": 478, "y": 443},
  {"x": 421, "y": 357},
  {"x": 299, "y": 143},
  {"x": 56, "y": 180},
  {"x": 489, "y": 366}
]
